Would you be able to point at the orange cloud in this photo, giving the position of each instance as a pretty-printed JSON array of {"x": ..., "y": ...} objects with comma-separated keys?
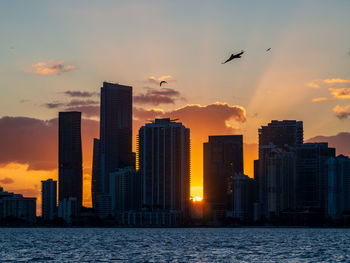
[
  {"x": 336, "y": 81},
  {"x": 342, "y": 112},
  {"x": 6, "y": 180},
  {"x": 320, "y": 99},
  {"x": 313, "y": 85},
  {"x": 340, "y": 93},
  {"x": 51, "y": 68}
]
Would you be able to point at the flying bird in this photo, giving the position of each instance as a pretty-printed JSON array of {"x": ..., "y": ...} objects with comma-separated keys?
[
  {"x": 233, "y": 56},
  {"x": 268, "y": 49},
  {"x": 163, "y": 81}
]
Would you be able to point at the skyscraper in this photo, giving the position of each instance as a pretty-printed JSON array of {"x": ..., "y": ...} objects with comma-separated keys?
[
  {"x": 115, "y": 130},
  {"x": 95, "y": 183},
  {"x": 279, "y": 168},
  {"x": 115, "y": 145},
  {"x": 312, "y": 175},
  {"x": 49, "y": 199},
  {"x": 70, "y": 172},
  {"x": 338, "y": 191},
  {"x": 279, "y": 133},
  {"x": 222, "y": 159},
  {"x": 164, "y": 163},
  {"x": 286, "y": 133}
]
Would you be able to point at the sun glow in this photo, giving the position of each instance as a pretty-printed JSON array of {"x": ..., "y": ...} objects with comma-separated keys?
[{"x": 197, "y": 199}]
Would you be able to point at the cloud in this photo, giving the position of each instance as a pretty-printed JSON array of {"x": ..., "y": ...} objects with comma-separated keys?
[
  {"x": 340, "y": 93},
  {"x": 341, "y": 142},
  {"x": 313, "y": 85},
  {"x": 320, "y": 99},
  {"x": 53, "y": 105},
  {"x": 87, "y": 110},
  {"x": 336, "y": 81},
  {"x": 155, "y": 80},
  {"x": 82, "y": 103},
  {"x": 6, "y": 180},
  {"x": 157, "y": 97},
  {"x": 342, "y": 112},
  {"x": 81, "y": 94},
  {"x": 208, "y": 119},
  {"x": 34, "y": 142},
  {"x": 51, "y": 68}
]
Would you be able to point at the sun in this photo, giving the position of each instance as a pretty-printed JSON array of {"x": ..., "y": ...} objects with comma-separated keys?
[{"x": 197, "y": 199}]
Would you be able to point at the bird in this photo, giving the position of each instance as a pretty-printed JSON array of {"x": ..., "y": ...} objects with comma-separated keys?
[
  {"x": 163, "y": 81},
  {"x": 233, "y": 56},
  {"x": 268, "y": 49}
]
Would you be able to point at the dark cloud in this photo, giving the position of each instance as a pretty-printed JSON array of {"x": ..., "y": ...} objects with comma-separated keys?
[
  {"x": 6, "y": 180},
  {"x": 87, "y": 111},
  {"x": 53, "y": 105},
  {"x": 82, "y": 103},
  {"x": 157, "y": 96},
  {"x": 341, "y": 142},
  {"x": 81, "y": 94},
  {"x": 342, "y": 112},
  {"x": 34, "y": 142}
]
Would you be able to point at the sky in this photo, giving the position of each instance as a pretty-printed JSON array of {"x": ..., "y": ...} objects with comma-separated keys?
[{"x": 54, "y": 56}]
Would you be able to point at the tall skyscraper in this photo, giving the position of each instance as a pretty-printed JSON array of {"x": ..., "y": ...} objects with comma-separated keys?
[
  {"x": 95, "y": 183},
  {"x": 222, "y": 159},
  {"x": 70, "y": 171},
  {"x": 164, "y": 163},
  {"x": 49, "y": 199},
  {"x": 115, "y": 130}
]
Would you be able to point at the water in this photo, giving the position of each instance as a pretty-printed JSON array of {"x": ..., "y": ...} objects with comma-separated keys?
[{"x": 174, "y": 245}]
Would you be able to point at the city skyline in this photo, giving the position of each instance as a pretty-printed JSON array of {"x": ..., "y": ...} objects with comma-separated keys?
[{"x": 303, "y": 77}]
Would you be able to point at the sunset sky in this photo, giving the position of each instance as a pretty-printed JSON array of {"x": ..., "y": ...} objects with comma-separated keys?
[{"x": 54, "y": 56}]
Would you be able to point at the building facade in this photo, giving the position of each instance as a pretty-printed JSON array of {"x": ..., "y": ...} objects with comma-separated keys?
[
  {"x": 312, "y": 175},
  {"x": 70, "y": 168},
  {"x": 16, "y": 206},
  {"x": 115, "y": 145},
  {"x": 49, "y": 199},
  {"x": 126, "y": 190},
  {"x": 164, "y": 164},
  {"x": 95, "y": 176},
  {"x": 222, "y": 159}
]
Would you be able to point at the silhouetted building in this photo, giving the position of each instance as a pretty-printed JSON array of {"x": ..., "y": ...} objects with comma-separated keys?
[
  {"x": 164, "y": 163},
  {"x": 286, "y": 133},
  {"x": 126, "y": 187},
  {"x": 279, "y": 168},
  {"x": 68, "y": 209},
  {"x": 95, "y": 183},
  {"x": 115, "y": 136},
  {"x": 49, "y": 199},
  {"x": 312, "y": 175},
  {"x": 243, "y": 197},
  {"x": 70, "y": 171},
  {"x": 279, "y": 133},
  {"x": 223, "y": 157},
  {"x": 16, "y": 206},
  {"x": 338, "y": 186}
]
